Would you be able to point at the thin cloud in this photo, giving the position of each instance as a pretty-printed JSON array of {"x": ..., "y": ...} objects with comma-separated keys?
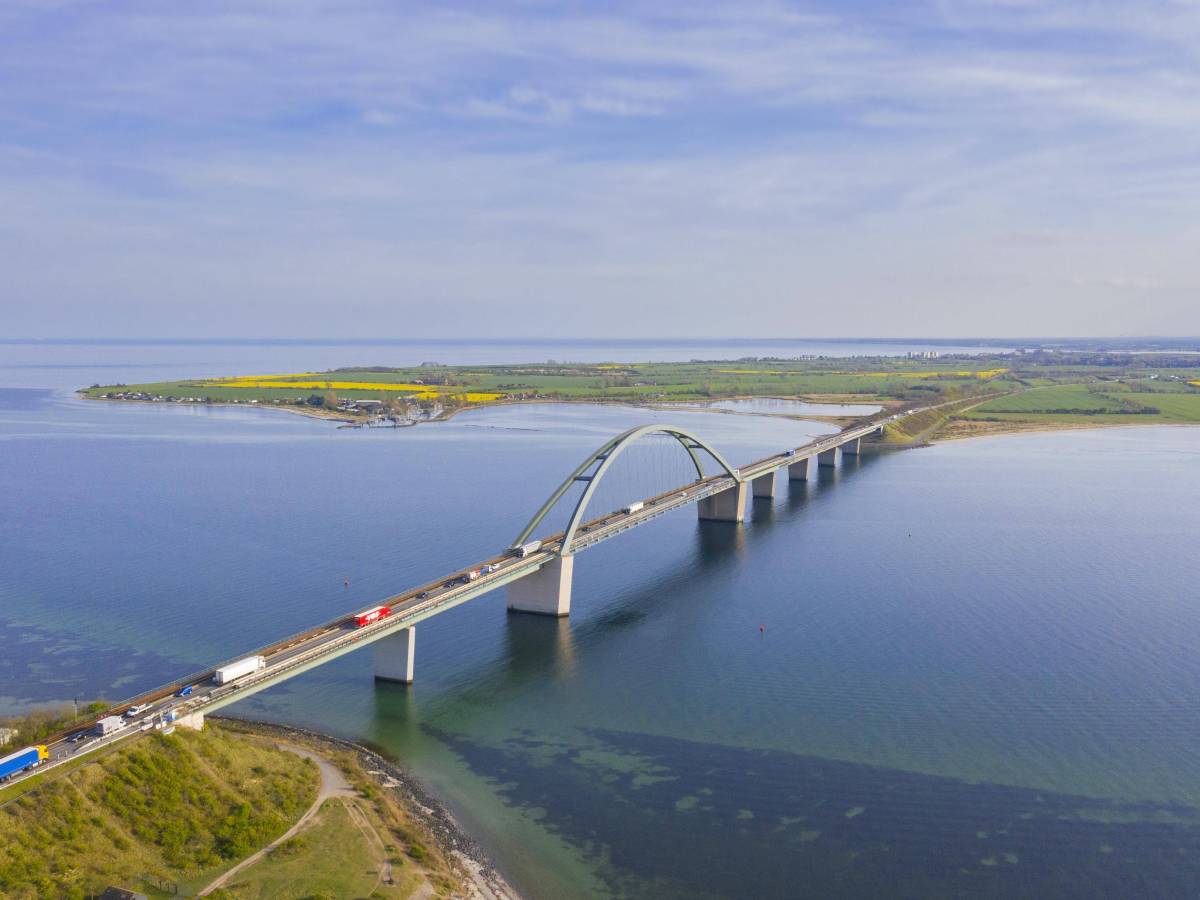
[{"x": 819, "y": 164}]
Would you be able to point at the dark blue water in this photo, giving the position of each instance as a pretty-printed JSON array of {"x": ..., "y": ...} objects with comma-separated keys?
[{"x": 975, "y": 674}]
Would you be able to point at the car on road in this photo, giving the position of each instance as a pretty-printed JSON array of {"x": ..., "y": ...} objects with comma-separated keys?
[
  {"x": 136, "y": 710},
  {"x": 77, "y": 737},
  {"x": 422, "y": 595},
  {"x": 185, "y": 691}
]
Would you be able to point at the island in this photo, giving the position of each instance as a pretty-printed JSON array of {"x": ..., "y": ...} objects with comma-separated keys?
[{"x": 1000, "y": 392}]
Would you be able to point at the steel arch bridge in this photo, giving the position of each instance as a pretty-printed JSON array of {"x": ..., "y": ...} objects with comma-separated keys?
[
  {"x": 602, "y": 459},
  {"x": 544, "y": 575}
]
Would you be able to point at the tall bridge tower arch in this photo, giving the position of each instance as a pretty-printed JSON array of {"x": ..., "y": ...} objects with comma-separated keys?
[{"x": 592, "y": 470}]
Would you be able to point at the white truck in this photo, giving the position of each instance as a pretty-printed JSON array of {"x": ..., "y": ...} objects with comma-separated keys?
[
  {"x": 633, "y": 507},
  {"x": 525, "y": 549},
  {"x": 240, "y": 669},
  {"x": 110, "y": 724}
]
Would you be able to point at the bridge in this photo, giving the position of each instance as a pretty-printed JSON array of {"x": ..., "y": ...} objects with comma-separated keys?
[{"x": 538, "y": 576}]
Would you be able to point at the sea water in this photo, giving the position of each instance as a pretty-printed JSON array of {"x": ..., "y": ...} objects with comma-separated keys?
[{"x": 965, "y": 670}]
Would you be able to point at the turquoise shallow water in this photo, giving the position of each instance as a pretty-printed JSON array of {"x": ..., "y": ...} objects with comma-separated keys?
[{"x": 975, "y": 674}]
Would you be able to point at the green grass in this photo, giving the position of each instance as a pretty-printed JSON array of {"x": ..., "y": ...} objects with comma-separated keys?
[
  {"x": 1175, "y": 407},
  {"x": 1072, "y": 397},
  {"x": 179, "y": 807},
  {"x": 332, "y": 856},
  {"x": 1100, "y": 403}
]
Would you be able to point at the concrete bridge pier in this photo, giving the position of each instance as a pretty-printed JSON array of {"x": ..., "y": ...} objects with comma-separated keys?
[
  {"x": 727, "y": 506},
  {"x": 395, "y": 656},
  {"x": 852, "y": 448},
  {"x": 547, "y": 591},
  {"x": 829, "y": 458},
  {"x": 800, "y": 470},
  {"x": 764, "y": 485},
  {"x": 194, "y": 721}
]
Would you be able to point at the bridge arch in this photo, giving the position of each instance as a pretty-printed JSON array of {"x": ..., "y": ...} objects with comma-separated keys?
[{"x": 602, "y": 459}]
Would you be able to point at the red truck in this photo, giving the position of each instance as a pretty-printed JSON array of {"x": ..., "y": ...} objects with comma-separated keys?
[{"x": 374, "y": 614}]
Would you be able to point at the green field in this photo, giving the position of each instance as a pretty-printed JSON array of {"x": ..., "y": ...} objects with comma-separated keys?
[
  {"x": 1125, "y": 402},
  {"x": 862, "y": 379}
]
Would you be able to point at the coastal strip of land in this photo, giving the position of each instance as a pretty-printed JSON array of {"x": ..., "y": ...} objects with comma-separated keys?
[{"x": 1002, "y": 392}]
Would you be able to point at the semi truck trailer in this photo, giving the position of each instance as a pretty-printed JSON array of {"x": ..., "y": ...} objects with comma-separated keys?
[
  {"x": 22, "y": 760},
  {"x": 239, "y": 669},
  {"x": 109, "y": 725},
  {"x": 374, "y": 614}
]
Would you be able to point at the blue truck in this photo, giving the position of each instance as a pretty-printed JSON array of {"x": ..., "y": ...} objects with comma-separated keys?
[{"x": 21, "y": 760}]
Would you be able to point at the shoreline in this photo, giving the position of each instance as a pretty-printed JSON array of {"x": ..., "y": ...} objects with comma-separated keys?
[
  {"x": 957, "y": 431},
  {"x": 1008, "y": 429},
  {"x": 481, "y": 871},
  {"x": 447, "y": 415}
]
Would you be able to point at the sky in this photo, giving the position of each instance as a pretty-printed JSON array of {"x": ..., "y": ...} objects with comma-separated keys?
[{"x": 538, "y": 170}]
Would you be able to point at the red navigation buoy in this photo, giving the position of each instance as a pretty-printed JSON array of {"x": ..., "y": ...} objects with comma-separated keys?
[{"x": 762, "y": 629}]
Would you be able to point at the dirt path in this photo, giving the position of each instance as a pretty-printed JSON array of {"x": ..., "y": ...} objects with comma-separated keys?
[
  {"x": 374, "y": 841},
  {"x": 333, "y": 784}
]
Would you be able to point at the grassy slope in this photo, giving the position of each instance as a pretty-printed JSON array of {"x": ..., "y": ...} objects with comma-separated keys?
[
  {"x": 180, "y": 807},
  {"x": 340, "y": 852},
  {"x": 330, "y": 856}
]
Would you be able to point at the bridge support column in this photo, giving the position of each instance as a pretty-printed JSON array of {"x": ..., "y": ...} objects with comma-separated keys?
[
  {"x": 852, "y": 448},
  {"x": 395, "y": 656},
  {"x": 764, "y": 485},
  {"x": 547, "y": 591},
  {"x": 800, "y": 470},
  {"x": 830, "y": 457},
  {"x": 194, "y": 721},
  {"x": 727, "y": 506}
]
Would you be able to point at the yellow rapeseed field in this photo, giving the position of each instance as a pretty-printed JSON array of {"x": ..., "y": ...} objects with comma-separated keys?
[
  {"x": 308, "y": 381},
  {"x": 325, "y": 385},
  {"x": 983, "y": 374}
]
